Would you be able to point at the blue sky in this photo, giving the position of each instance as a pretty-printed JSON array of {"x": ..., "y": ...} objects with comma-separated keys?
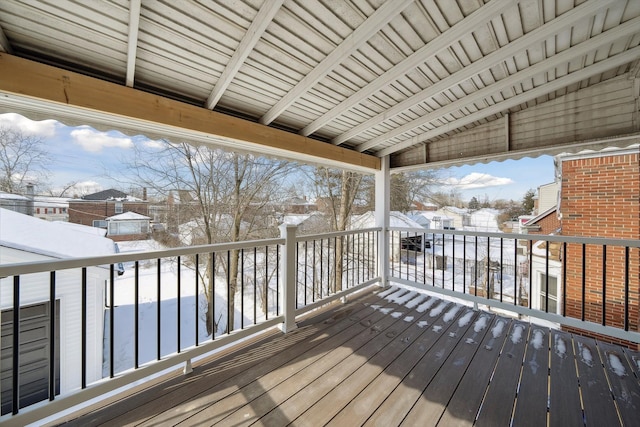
[{"x": 88, "y": 157}]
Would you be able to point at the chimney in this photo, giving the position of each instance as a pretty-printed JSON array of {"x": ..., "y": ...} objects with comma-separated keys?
[
  {"x": 30, "y": 196},
  {"x": 144, "y": 193}
]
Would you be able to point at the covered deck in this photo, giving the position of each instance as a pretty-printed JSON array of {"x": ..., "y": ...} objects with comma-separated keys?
[{"x": 396, "y": 357}]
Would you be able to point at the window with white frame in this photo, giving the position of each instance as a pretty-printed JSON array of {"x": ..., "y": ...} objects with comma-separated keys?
[
  {"x": 551, "y": 291},
  {"x": 119, "y": 207}
]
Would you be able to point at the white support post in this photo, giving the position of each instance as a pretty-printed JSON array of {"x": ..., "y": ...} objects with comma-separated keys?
[
  {"x": 288, "y": 270},
  {"x": 383, "y": 204}
]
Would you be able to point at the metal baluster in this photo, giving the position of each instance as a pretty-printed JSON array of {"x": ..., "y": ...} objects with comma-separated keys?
[
  {"x": 84, "y": 328},
  {"x": 178, "y": 308},
  {"x": 52, "y": 335}
]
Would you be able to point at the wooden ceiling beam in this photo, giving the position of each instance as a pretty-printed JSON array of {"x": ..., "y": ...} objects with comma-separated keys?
[{"x": 49, "y": 89}]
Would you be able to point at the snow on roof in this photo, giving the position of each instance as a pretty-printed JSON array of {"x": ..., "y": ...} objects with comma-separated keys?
[
  {"x": 4, "y": 195},
  {"x": 96, "y": 231},
  {"x": 485, "y": 220},
  {"x": 127, "y": 216},
  {"x": 396, "y": 219},
  {"x": 432, "y": 214},
  {"x": 295, "y": 219},
  {"x": 455, "y": 210},
  {"x": 24, "y": 232}
]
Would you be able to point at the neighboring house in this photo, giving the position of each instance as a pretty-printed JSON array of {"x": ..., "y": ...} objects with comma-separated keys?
[
  {"x": 547, "y": 222},
  {"x": 47, "y": 208},
  {"x": 410, "y": 242},
  {"x": 27, "y": 239},
  {"x": 128, "y": 226},
  {"x": 484, "y": 220},
  {"x": 600, "y": 197},
  {"x": 299, "y": 205},
  {"x": 460, "y": 217},
  {"x": 547, "y": 197},
  {"x": 311, "y": 223},
  {"x": 15, "y": 202},
  {"x": 419, "y": 206},
  {"x": 423, "y": 220},
  {"x": 94, "y": 209},
  {"x": 433, "y": 220},
  {"x": 51, "y": 208}
]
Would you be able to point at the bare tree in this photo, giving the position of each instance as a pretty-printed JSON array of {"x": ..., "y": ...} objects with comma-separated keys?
[
  {"x": 225, "y": 194},
  {"x": 339, "y": 190},
  {"x": 23, "y": 159}
]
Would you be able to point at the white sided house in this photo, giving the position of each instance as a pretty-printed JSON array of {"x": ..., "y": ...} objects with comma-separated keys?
[{"x": 27, "y": 239}]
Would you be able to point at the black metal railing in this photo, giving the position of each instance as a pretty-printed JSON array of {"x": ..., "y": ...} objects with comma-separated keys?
[
  {"x": 577, "y": 282},
  {"x": 331, "y": 263}
]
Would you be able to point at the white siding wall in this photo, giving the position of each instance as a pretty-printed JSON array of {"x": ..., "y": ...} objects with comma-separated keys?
[{"x": 35, "y": 288}]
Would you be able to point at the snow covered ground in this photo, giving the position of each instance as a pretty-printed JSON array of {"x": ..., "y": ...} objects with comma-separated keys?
[{"x": 193, "y": 306}]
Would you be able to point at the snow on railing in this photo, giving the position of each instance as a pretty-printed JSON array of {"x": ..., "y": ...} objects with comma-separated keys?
[
  {"x": 576, "y": 282},
  {"x": 121, "y": 318}
]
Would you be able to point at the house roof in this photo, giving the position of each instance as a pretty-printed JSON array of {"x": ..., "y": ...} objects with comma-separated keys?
[
  {"x": 385, "y": 78},
  {"x": 534, "y": 221},
  {"x": 54, "y": 239},
  {"x": 110, "y": 194},
  {"x": 396, "y": 219},
  {"x": 128, "y": 216},
  {"x": 11, "y": 196}
]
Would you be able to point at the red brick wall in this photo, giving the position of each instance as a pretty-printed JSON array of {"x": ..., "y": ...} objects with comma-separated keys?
[
  {"x": 81, "y": 212},
  {"x": 600, "y": 197},
  {"x": 548, "y": 225}
]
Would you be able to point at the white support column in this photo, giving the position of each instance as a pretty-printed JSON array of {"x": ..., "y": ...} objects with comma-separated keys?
[
  {"x": 383, "y": 204},
  {"x": 288, "y": 271}
]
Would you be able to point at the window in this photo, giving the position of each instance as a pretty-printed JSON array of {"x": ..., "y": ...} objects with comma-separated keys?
[
  {"x": 100, "y": 223},
  {"x": 552, "y": 293},
  {"x": 119, "y": 207},
  {"x": 128, "y": 227},
  {"x": 34, "y": 355}
]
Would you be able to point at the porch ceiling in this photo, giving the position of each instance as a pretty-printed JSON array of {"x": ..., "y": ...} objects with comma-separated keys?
[{"x": 304, "y": 76}]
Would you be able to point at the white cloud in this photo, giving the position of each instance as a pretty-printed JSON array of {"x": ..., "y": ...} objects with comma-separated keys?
[
  {"x": 43, "y": 128},
  {"x": 94, "y": 141},
  {"x": 477, "y": 180},
  {"x": 151, "y": 143}
]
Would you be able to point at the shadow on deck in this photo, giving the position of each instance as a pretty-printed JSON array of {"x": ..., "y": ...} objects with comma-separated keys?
[{"x": 398, "y": 358}]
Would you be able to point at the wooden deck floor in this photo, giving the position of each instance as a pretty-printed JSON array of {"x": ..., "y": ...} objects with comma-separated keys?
[{"x": 399, "y": 358}]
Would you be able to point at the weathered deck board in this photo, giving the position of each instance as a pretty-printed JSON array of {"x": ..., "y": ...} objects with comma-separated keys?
[
  {"x": 564, "y": 403},
  {"x": 467, "y": 398},
  {"x": 342, "y": 362},
  {"x": 359, "y": 408},
  {"x": 599, "y": 407},
  {"x": 446, "y": 331},
  {"x": 396, "y": 358},
  {"x": 534, "y": 380},
  {"x": 497, "y": 406},
  {"x": 622, "y": 383},
  {"x": 435, "y": 397}
]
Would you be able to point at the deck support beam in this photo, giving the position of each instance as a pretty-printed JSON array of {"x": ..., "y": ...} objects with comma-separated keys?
[
  {"x": 288, "y": 271},
  {"x": 383, "y": 204}
]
